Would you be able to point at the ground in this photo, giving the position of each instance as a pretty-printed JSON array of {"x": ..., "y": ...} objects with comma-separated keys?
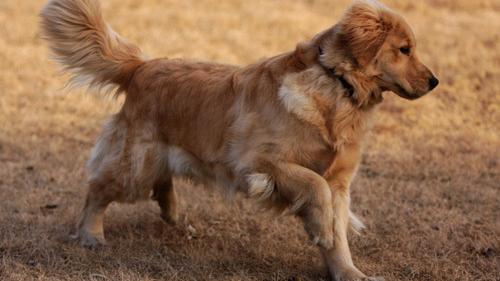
[{"x": 428, "y": 188}]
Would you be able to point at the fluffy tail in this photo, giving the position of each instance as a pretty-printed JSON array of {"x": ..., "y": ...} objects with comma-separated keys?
[{"x": 86, "y": 46}]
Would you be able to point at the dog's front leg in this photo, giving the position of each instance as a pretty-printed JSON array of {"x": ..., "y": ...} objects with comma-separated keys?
[
  {"x": 305, "y": 192},
  {"x": 339, "y": 175},
  {"x": 338, "y": 259}
]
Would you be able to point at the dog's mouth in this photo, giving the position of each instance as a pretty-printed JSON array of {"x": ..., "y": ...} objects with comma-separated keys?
[
  {"x": 396, "y": 88},
  {"x": 401, "y": 92}
]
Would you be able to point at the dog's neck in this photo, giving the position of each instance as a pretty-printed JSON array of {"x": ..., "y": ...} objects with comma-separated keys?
[
  {"x": 361, "y": 89},
  {"x": 357, "y": 86},
  {"x": 348, "y": 88}
]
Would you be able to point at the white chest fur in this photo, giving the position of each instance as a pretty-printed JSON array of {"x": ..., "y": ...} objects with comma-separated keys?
[{"x": 318, "y": 100}]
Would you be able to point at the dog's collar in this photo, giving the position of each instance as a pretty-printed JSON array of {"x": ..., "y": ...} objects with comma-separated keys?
[{"x": 349, "y": 89}]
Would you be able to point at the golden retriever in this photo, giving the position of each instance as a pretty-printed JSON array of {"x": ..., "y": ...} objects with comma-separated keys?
[{"x": 287, "y": 130}]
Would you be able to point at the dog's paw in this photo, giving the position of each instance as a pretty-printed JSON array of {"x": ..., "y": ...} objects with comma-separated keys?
[
  {"x": 170, "y": 218},
  {"x": 371, "y": 279},
  {"x": 320, "y": 235},
  {"x": 353, "y": 274},
  {"x": 378, "y": 278},
  {"x": 357, "y": 278},
  {"x": 88, "y": 240},
  {"x": 323, "y": 241},
  {"x": 362, "y": 279}
]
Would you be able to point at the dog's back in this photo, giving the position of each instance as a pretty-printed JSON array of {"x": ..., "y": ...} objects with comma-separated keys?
[{"x": 187, "y": 102}]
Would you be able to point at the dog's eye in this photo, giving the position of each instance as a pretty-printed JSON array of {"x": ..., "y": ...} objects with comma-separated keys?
[{"x": 405, "y": 50}]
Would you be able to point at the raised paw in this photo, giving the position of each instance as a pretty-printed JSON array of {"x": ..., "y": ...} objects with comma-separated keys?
[
  {"x": 324, "y": 241},
  {"x": 320, "y": 235}
]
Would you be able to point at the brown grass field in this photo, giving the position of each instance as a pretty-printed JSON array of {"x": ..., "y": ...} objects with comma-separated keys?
[{"x": 428, "y": 188}]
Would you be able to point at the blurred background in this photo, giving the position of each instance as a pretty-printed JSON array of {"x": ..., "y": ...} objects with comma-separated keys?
[{"x": 428, "y": 188}]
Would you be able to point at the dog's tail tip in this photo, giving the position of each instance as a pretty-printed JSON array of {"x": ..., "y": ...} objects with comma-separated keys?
[{"x": 86, "y": 46}]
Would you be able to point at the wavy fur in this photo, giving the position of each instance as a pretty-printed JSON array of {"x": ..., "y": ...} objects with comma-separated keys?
[
  {"x": 86, "y": 46},
  {"x": 284, "y": 131}
]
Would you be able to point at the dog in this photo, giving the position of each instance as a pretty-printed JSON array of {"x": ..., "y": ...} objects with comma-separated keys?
[{"x": 287, "y": 130}]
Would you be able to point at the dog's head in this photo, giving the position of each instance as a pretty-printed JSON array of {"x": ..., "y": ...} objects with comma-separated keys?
[{"x": 374, "y": 49}]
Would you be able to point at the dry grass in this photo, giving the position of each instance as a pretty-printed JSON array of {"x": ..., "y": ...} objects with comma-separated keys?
[{"x": 428, "y": 188}]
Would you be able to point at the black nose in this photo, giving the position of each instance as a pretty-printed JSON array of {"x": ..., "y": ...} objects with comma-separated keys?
[{"x": 433, "y": 82}]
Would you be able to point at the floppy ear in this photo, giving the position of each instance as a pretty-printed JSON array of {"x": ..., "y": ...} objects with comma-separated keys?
[
  {"x": 362, "y": 31},
  {"x": 306, "y": 53}
]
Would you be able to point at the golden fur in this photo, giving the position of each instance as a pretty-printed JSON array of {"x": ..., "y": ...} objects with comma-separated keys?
[{"x": 284, "y": 130}]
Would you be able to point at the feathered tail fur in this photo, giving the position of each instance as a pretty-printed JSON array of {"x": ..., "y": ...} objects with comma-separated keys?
[{"x": 86, "y": 46}]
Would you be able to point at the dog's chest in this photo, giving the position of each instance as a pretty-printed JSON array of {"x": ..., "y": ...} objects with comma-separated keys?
[{"x": 319, "y": 103}]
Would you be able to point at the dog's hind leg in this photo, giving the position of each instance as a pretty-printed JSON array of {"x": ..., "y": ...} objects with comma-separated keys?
[
  {"x": 110, "y": 173},
  {"x": 166, "y": 196},
  {"x": 176, "y": 162},
  {"x": 90, "y": 230},
  {"x": 103, "y": 188}
]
